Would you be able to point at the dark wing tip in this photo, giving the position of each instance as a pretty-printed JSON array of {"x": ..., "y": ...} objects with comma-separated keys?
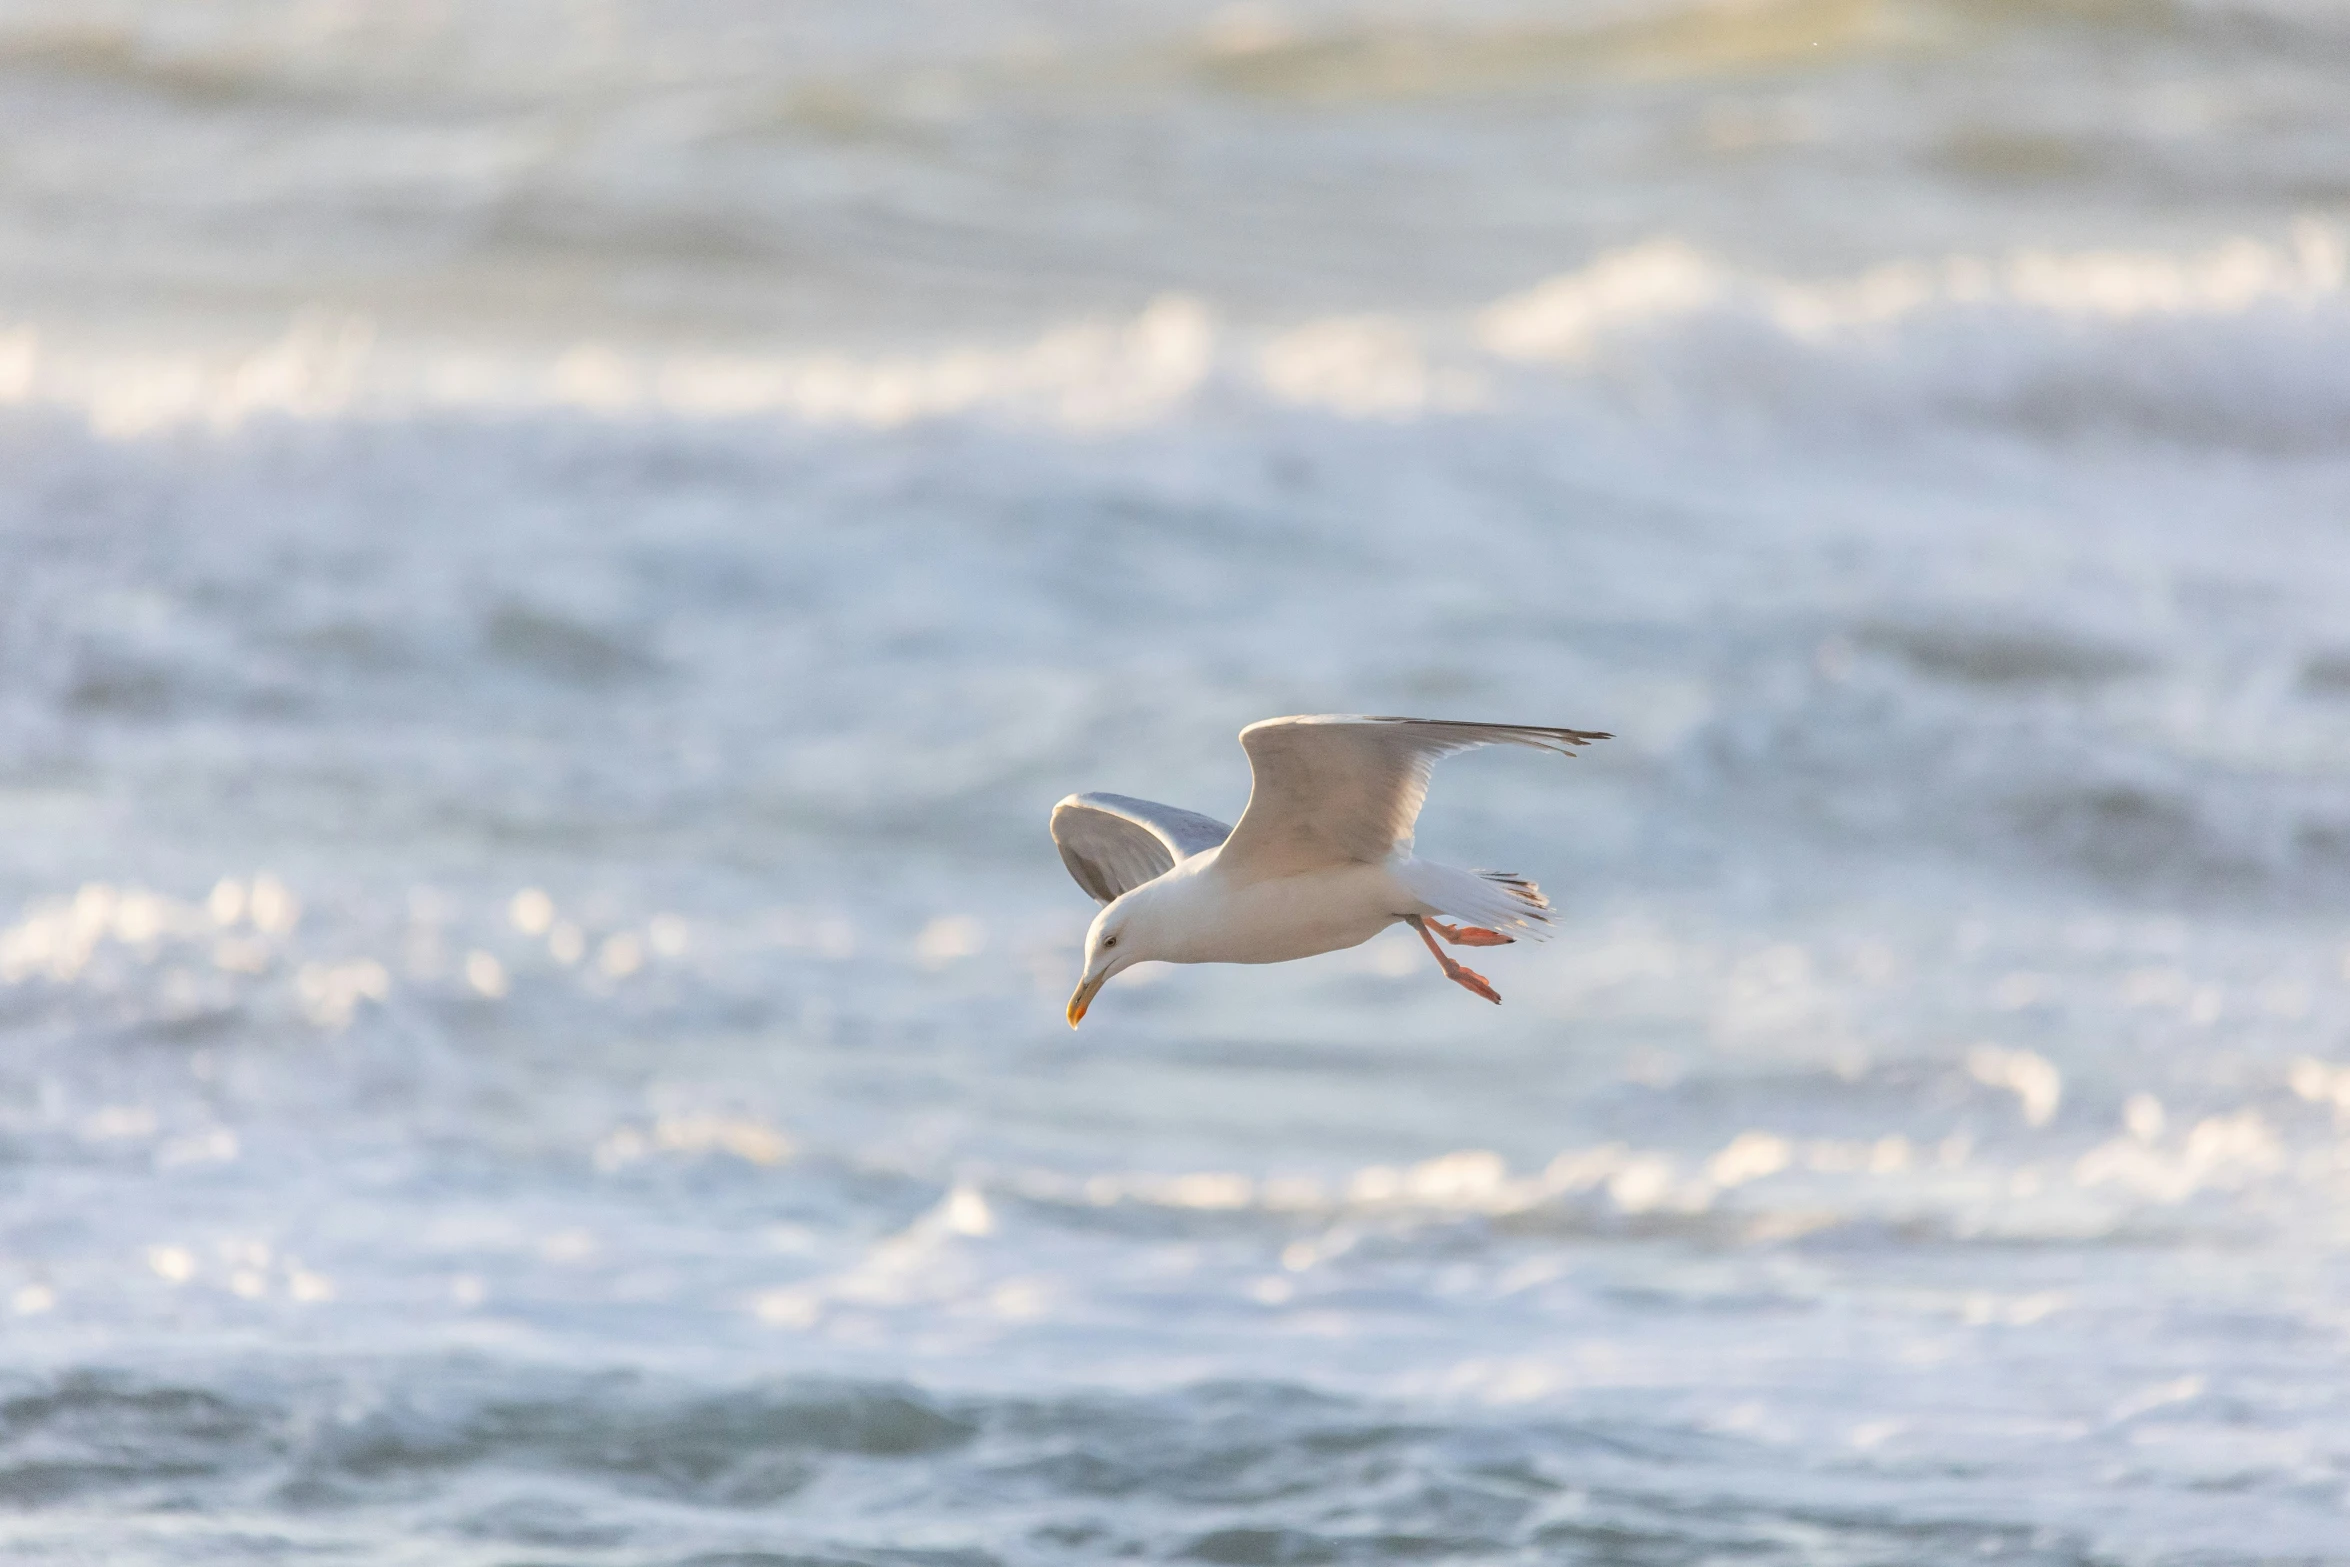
[{"x": 1571, "y": 737}]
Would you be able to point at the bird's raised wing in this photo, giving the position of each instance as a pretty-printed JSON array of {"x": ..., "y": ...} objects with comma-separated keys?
[
  {"x": 1113, "y": 844},
  {"x": 1336, "y": 788}
]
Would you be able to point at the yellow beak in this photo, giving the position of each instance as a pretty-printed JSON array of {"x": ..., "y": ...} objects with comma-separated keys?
[{"x": 1083, "y": 998}]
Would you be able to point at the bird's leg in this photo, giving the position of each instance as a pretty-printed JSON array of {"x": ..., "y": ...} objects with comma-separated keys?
[
  {"x": 1469, "y": 935},
  {"x": 1460, "y": 974}
]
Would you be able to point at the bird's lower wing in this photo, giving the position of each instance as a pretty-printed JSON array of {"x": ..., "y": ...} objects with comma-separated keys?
[
  {"x": 1112, "y": 843},
  {"x": 1337, "y": 788}
]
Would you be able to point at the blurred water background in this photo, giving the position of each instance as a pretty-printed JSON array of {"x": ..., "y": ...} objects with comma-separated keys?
[{"x": 555, "y": 554}]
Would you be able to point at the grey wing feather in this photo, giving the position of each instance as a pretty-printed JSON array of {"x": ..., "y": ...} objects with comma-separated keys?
[
  {"x": 1113, "y": 843},
  {"x": 1339, "y": 788}
]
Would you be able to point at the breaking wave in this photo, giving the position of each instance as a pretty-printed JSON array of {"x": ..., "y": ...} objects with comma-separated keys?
[{"x": 2240, "y": 345}]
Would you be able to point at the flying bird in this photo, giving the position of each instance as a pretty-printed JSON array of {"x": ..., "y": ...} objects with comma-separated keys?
[{"x": 1321, "y": 860}]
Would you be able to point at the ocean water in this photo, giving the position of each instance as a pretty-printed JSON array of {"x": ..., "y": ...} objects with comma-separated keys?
[{"x": 554, "y": 558}]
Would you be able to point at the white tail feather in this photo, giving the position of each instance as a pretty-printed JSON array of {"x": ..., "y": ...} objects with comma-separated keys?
[{"x": 1497, "y": 900}]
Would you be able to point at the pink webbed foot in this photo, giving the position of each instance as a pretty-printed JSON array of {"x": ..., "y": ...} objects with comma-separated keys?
[
  {"x": 1459, "y": 973},
  {"x": 1469, "y": 935}
]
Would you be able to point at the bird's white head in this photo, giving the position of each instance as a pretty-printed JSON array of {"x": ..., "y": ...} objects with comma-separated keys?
[{"x": 1122, "y": 936}]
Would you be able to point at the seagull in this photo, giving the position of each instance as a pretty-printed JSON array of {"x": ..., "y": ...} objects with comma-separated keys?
[{"x": 1322, "y": 858}]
